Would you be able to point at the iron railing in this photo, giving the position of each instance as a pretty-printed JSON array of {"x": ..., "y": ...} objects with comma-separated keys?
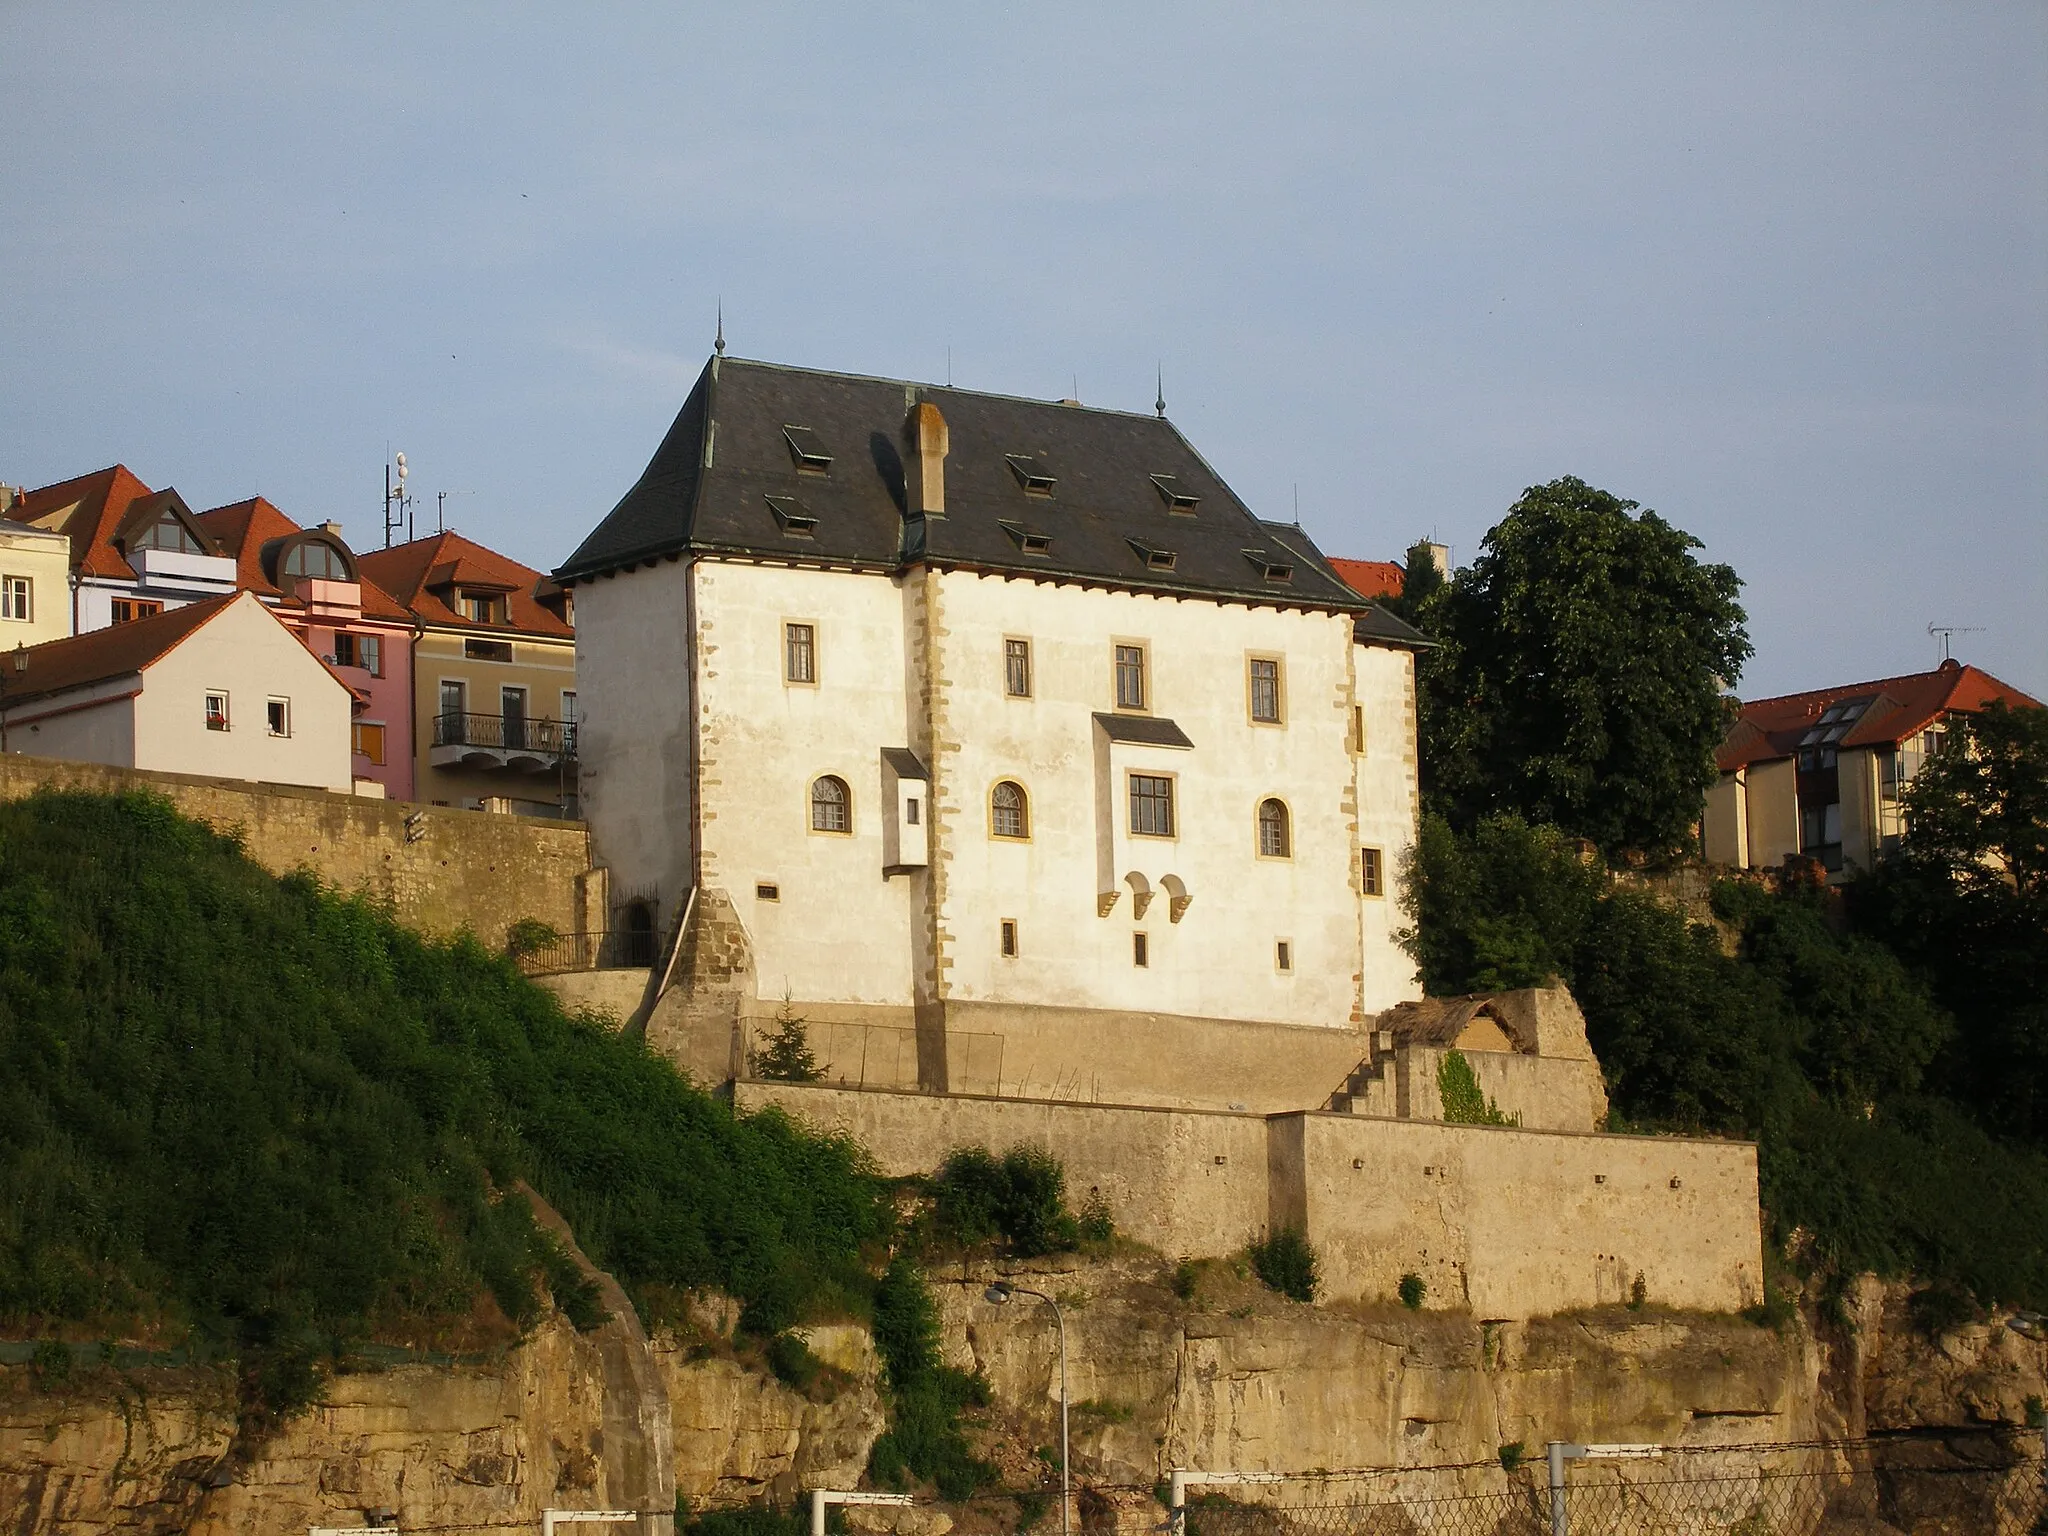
[
  {"x": 616, "y": 950},
  {"x": 507, "y": 733}
]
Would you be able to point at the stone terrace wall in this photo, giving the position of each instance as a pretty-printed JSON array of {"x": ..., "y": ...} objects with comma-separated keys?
[
  {"x": 440, "y": 869},
  {"x": 1514, "y": 1224}
]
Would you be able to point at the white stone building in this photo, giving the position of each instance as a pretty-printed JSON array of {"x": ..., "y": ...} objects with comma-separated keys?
[{"x": 998, "y": 734}]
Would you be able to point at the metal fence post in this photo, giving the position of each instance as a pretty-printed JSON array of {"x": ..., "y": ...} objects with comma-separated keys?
[{"x": 1560, "y": 1524}]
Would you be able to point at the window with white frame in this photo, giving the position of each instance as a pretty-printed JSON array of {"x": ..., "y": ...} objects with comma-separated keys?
[
  {"x": 277, "y": 715},
  {"x": 17, "y": 598},
  {"x": 217, "y": 711}
]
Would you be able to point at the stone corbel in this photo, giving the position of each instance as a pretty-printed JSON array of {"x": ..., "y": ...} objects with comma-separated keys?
[
  {"x": 1140, "y": 900},
  {"x": 1177, "y": 907},
  {"x": 1105, "y": 903}
]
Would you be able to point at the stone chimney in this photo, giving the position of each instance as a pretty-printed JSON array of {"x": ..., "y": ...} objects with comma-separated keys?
[{"x": 929, "y": 445}]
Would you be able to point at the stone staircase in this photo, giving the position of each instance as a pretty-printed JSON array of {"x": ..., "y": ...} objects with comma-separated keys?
[{"x": 1371, "y": 1088}]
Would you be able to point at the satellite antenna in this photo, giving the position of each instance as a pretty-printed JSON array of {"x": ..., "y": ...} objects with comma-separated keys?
[
  {"x": 397, "y": 502},
  {"x": 1947, "y": 632}
]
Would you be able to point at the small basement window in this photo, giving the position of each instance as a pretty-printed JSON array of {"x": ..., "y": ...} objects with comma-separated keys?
[
  {"x": 1009, "y": 938},
  {"x": 1176, "y": 496},
  {"x": 1155, "y": 559},
  {"x": 1283, "y": 955},
  {"x": 767, "y": 890},
  {"x": 810, "y": 455},
  {"x": 792, "y": 516},
  {"x": 1141, "y": 952},
  {"x": 1031, "y": 474}
]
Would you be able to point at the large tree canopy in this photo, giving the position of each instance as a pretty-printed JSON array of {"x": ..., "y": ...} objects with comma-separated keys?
[{"x": 1578, "y": 680}]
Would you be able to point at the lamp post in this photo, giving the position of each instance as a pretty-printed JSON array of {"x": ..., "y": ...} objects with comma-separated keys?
[{"x": 1000, "y": 1294}]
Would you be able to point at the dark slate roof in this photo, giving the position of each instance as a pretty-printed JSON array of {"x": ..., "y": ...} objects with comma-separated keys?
[
  {"x": 707, "y": 491},
  {"x": 1143, "y": 730}
]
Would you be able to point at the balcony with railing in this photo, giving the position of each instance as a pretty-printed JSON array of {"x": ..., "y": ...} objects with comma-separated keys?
[
  {"x": 512, "y": 742},
  {"x": 621, "y": 949}
]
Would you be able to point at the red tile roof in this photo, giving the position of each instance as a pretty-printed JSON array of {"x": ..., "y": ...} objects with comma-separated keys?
[
  {"x": 1371, "y": 578},
  {"x": 243, "y": 528},
  {"x": 428, "y": 574},
  {"x": 102, "y": 501},
  {"x": 58, "y": 665},
  {"x": 1896, "y": 707}
]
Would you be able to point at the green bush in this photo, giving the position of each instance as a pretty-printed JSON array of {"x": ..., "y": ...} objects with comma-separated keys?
[
  {"x": 1019, "y": 1198},
  {"x": 926, "y": 1397},
  {"x": 529, "y": 935},
  {"x": 1411, "y": 1291},
  {"x": 1285, "y": 1262},
  {"x": 1463, "y": 1101},
  {"x": 264, "y": 1111},
  {"x": 790, "y": 1358},
  {"x": 1187, "y": 1275},
  {"x": 752, "y": 1520}
]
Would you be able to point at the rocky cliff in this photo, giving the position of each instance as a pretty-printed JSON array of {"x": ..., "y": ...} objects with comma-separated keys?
[{"x": 1229, "y": 1378}]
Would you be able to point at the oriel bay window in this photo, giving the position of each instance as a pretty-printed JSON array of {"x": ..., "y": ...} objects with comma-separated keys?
[{"x": 1151, "y": 805}]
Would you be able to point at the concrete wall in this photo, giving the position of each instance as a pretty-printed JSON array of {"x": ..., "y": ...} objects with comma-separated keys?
[
  {"x": 1182, "y": 1181},
  {"x": 1516, "y": 1223},
  {"x": 1773, "y": 800},
  {"x": 448, "y": 870},
  {"x": 1510, "y": 1223},
  {"x": 246, "y": 653}
]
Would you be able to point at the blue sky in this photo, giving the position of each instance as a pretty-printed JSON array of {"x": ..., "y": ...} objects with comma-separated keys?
[{"x": 1779, "y": 272}]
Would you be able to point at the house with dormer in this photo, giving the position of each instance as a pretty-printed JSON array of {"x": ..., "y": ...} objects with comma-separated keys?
[
  {"x": 134, "y": 552},
  {"x": 1002, "y": 729}
]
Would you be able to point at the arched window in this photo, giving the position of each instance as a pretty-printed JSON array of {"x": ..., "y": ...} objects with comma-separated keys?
[
  {"x": 830, "y": 805},
  {"x": 168, "y": 533},
  {"x": 318, "y": 559},
  {"x": 1009, "y": 811},
  {"x": 1274, "y": 842}
]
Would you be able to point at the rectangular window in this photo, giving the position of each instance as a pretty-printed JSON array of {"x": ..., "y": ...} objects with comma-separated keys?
[
  {"x": 487, "y": 650},
  {"x": 512, "y": 714},
  {"x": 128, "y": 609},
  {"x": 1009, "y": 932},
  {"x": 569, "y": 706},
  {"x": 369, "y": 741},
  {"x": 365, "y": 651},
  {"x": 799, "y": 653},
  {"x": 1130, "y": 677},
  {"x": 1283, "y": 955},
  {"x": 1358, "y": 729},
  {"x": 479, "y": 608},
  {"x": 767, "y": 891},
  {"x": 1370, "y": 876},
  {"x": 278, "y": 716},
  {"x": 1141, "y": 951},
  {"x": 1017, "y": 668},
  {"x": 1265, "y": 690},
  {"x": 216, "y": 711},
  {"x": 1151, "y": 805},
  {"x": 17, "y": 598},
  {"x": 911, "y": 811}
]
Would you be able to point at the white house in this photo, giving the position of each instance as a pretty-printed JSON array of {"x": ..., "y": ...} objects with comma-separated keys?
[
  {"x": 215, "y": 687},
  {"x": 1003, "y": 724}
]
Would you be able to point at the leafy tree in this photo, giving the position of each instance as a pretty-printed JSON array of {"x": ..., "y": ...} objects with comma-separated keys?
[
  {"x": 1286, "y": 1262},
  {"x": 1020, "y": 1197},
  {"x": 1965, "y": 900},
  {"x": 1580, "y": 672}
]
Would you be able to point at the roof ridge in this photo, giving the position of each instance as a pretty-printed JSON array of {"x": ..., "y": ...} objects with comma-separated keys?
[{"x": 954, "y": 389}]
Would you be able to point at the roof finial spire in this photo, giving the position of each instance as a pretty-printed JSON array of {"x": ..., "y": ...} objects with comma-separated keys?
[
  {"x": 718, "y": 343},
  {"x": 1159, "y": 405}
]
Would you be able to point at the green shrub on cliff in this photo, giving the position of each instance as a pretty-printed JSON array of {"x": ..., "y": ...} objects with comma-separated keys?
[{"x": 262, "y": 1111}]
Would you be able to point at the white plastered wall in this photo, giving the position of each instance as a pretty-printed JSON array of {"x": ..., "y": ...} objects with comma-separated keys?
[
  {"x": 636, "y": 737},
  {"x": 245, "y": 652},
  {"x": 1389, "y": 810},
  {"x": 838, "y": 930},
  {"x": 1856, "y": 773},
  {"x": 95, "y": 726},
  {"x": 1773, "y": 804}
]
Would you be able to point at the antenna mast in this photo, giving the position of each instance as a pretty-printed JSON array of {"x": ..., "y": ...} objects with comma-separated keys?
[
  {"x": 1947, "y": 632},
  {"x": 397, "y": 503}
]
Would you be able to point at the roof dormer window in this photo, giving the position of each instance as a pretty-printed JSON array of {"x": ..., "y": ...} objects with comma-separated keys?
[
  {"x": 1155, "y": 559},
  {"x": 168, "y": 532},
  {"x": 319, "y": 560},
  {"x": 1031, "y": 473},
  {"x": 810, "y": 455},
  {"x": 1269, "y": 567},
  {"x": 1029, "y": 540},
  {"x": 1176, "y": 496},
  {"x": 793, "y": 517}
]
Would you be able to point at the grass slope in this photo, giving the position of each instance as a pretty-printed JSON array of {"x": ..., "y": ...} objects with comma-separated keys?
[{"x": 256, "y": 1112}]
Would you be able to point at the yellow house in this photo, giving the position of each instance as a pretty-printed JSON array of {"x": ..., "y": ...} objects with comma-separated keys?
[
  {"x": 35, "y": 585},
  {"x": 494, "y": 676}
]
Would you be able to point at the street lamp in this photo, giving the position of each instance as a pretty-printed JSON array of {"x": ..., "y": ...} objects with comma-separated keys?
[{"x": 1000, "y": 1294}]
